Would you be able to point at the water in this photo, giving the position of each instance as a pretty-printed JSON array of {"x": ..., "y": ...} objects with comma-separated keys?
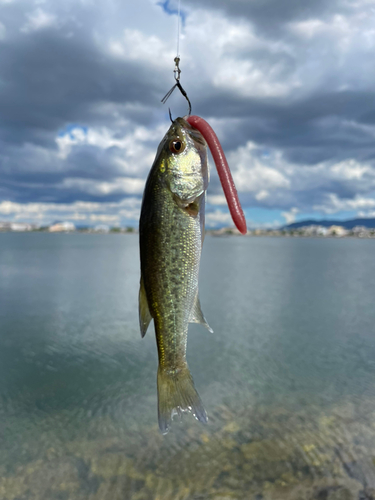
[{"x": 287, "y": 378}]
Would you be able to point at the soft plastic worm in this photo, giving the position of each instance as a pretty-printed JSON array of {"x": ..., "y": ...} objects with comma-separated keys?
[{"x": 223, "y": 170}]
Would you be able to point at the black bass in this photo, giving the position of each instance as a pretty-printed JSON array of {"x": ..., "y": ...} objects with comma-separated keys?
[{"x": 171, "y": 232}]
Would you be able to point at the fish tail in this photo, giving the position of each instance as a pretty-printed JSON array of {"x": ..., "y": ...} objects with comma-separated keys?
[{"x": 177, "y": 394}]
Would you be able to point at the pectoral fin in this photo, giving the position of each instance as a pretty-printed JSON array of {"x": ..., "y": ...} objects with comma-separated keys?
[
  {"x": 144, "y": 312},
  {"x": 197, "y": 315}
]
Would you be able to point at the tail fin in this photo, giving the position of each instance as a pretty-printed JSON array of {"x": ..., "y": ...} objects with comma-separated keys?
[{"x": 177, "y": 394}]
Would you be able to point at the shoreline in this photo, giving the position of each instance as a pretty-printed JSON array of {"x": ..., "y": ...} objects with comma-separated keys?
[{"x": 217, "y": 233}]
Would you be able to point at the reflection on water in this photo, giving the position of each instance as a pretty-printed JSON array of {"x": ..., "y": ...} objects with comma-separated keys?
[{"x": 287, "y": 378}]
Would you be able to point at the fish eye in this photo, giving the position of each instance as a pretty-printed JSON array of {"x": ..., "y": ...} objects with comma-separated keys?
[{"x": 176, "y": 146}]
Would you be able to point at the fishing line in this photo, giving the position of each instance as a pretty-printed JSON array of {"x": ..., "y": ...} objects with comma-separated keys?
[
  {"x": 177, "y": 71},
  {"x": 178, "y": 28}
]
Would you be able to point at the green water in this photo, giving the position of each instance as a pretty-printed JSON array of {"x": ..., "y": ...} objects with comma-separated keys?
[{"x": 287, "y": 378}]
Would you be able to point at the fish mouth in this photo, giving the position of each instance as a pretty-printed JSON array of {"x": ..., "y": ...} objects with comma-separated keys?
[{"x": 183, "y": 127}]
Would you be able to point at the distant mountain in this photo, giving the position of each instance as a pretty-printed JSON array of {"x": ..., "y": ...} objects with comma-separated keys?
[{"x": 347, "y": 224}]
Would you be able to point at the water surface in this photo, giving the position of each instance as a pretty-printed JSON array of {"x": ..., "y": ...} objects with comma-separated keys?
[{"x": 287, "y": 377}]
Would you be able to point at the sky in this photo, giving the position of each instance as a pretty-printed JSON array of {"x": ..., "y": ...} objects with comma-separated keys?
[{"x": 287, "y": 86}]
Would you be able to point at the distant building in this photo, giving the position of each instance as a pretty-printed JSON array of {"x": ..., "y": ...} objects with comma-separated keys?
[
  {"x": 361, "y": 231},
  {"x": 226, "y": 231},
  {"x": 60, "y": 227},
  {"x": 20, "y": 226},
  {"x": 314, "y": 230},
  {"x": 337, "y": 231},
  {"x": 101, "y": 228}
]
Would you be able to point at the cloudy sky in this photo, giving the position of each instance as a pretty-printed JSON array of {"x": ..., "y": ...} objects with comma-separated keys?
[{"x": 289, "y": 87}]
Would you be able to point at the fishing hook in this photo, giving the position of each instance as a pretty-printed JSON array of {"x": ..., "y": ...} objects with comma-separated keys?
[{"x": 177, "y": 73}]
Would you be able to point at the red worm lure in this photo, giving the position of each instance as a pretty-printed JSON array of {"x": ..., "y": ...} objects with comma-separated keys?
[
  {"x": 223, "y": 170},
  {"x": 217, "y": 152}
]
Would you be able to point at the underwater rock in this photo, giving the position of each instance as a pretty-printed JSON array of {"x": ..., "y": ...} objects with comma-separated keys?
[
  {"x": 266, "y": 451},
  {"x": 334, "y": 493},
  {"x": 367, "y": 494}
]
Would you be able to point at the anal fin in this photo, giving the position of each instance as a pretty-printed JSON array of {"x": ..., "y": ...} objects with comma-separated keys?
[
  {"x": 144, "y": 311},
  {"x": 197, "y": 315}
]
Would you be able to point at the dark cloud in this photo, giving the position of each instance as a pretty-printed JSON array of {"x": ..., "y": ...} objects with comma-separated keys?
[
  {"x": 49, "y": 80},
  {"x": 270, "y": 15}
]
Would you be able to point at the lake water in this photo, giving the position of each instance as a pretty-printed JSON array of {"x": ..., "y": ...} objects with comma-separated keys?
[{"x": 287, "y": 377}]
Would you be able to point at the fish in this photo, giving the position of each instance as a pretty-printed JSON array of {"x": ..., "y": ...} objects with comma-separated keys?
[{"x": 171, "y": 233}]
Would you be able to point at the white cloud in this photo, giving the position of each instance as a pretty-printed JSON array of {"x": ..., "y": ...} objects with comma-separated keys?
[
  {"x": 366, "y": 214},
  {"x": 218, "y": 217},
  {"x": 125, "y": 211},
  {"x": 263, "y": 194},
  {"x": 254, "y": 175},
  {"x": 225, "y": 42},
  {"x": 94, "y": 187},
  {"x": 38, "y": 19},
  {"x": 336, "y": 50},
  {"x": 290, "y": 216},
  {"x": 334, "y": 204},
  {"x": 137, "y": 145},
  {"x": 136, "y": 46},
  {"x": 104, "y": 218},
  {"x": 2, "y": 31},
  {"x": 217, "y": 199},
  {"x": 352, "y": 169},
  {"x": 308, "y": 28},
  {"x": 274, "y": 182}
]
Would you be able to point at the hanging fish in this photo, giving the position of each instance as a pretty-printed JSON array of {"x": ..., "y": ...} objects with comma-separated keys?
[{"x": 171, "y": 232}]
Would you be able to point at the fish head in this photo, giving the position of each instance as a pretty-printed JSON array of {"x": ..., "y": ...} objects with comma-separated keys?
[{"x": 183, "y": 162}]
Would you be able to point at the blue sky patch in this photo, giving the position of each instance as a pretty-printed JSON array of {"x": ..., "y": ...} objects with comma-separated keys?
[
  {"x": 172, "y": 11},
  {"x": 70, "y": 127}
]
